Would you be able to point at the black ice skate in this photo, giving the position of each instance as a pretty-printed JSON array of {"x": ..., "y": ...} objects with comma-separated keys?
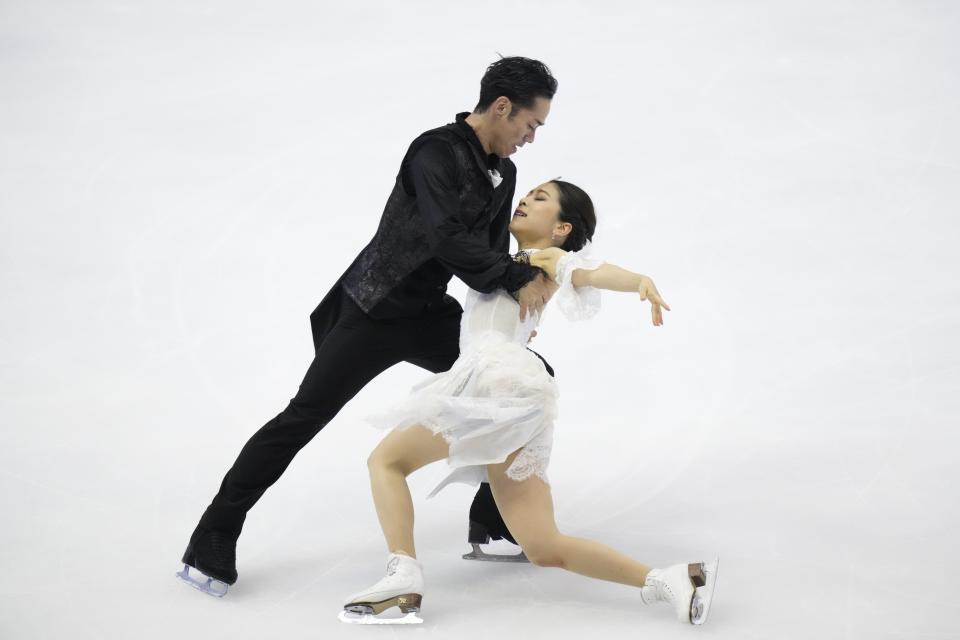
[
  {"x": 213, "y": 556},
  {"x": 487, "y": 524}
]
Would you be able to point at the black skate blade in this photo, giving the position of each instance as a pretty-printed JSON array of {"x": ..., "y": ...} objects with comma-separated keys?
[
  {"x": 479, "y": 554},
  {"x": 210, "y": 586}
]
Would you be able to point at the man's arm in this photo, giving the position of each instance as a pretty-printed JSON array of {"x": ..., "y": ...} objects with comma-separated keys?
[{"x": 432, "y": 173}]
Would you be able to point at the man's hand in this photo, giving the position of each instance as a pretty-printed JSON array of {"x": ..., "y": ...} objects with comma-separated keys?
[{"x": 534, "y": 295}]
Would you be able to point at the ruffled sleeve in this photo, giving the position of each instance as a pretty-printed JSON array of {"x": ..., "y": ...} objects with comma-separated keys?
[{"x": 577, "y": 303}]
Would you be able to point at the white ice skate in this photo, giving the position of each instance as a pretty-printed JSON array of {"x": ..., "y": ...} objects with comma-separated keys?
[
  {"x": 688, "y": 587},
  {"x": 402, "y": 587}
]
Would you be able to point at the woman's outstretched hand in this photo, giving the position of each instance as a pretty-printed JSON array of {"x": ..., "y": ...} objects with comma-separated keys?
[
  {"x": 546, "y": 259},
  {"x": 648, "y": 291}
]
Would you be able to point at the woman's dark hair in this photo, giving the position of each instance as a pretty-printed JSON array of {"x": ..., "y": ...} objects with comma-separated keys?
[
  {"x": 576, "y": 207},
  {"x": 521, "y": 79}
]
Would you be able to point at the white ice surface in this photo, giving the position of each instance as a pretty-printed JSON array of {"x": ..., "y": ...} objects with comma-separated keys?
[{"x": 182, "y": 181}]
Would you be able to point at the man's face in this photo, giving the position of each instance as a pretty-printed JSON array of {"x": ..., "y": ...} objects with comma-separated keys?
[{"x": 516, "y": 127}]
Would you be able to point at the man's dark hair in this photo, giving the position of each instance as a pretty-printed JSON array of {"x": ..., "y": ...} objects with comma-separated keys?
[
  {"x": 520, "y": 79},
  {"x": 576, "y": 207}
]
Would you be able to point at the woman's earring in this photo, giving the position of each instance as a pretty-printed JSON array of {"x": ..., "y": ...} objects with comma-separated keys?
[{"x": 553, "y": 236}]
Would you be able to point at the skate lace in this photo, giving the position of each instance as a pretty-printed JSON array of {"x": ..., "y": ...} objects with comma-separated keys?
[{"x": 656, "y": 590}]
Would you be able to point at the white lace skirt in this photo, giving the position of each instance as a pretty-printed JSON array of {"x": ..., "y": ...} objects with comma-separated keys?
[{"x": 496, "y": 398}]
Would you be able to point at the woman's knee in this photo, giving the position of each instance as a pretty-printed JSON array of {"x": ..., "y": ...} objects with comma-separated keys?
[
  {"x": 406, "y": 450},
  {"x": 544, "y": 553},
  {"x": 382, "y": 458}
]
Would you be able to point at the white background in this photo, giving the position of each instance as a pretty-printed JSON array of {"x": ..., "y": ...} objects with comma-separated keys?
[{"x": 182, "y": 181}]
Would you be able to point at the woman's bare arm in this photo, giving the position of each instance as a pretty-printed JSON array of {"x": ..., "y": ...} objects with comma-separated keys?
[
  {"x": 607, "y": 276},
  {"x": 614, "y": 278}
]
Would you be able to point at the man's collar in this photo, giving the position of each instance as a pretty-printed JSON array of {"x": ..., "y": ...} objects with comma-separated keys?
[{"x": 493, "y": 160}]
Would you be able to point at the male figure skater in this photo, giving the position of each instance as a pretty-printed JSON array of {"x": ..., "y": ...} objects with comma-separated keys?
[{"x": 448, "y": 214}]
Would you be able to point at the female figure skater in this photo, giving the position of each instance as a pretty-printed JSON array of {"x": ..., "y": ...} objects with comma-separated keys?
[{"x": 491, "y": 416}]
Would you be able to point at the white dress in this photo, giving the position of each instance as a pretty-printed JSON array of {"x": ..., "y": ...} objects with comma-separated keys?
[{"x": 498, "y": 396}]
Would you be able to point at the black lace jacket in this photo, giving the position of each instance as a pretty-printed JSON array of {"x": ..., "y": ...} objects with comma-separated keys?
[{"x": 444, "y": 217}]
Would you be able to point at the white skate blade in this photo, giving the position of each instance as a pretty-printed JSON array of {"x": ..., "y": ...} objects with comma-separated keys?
[
  {"x": 479, "y": 554},
  {"x": 351, "y": 617},
  {"x": 703, "y": 595},
  {"x": 205, "y": 583}
]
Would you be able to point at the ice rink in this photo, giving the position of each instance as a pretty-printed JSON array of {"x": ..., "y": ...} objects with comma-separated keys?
[{"x": 181, "y": 182}]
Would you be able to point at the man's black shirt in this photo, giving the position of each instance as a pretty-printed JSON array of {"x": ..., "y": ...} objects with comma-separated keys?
[{"x": 430, "y": 174}]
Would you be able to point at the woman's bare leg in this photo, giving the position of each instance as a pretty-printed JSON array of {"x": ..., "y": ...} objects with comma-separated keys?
[
  {"x": 527, "y": 509},
  {"x": 399, "y": 454}
]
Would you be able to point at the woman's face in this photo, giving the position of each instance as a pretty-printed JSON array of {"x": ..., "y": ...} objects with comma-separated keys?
[{"x": 537, "y": 216}]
